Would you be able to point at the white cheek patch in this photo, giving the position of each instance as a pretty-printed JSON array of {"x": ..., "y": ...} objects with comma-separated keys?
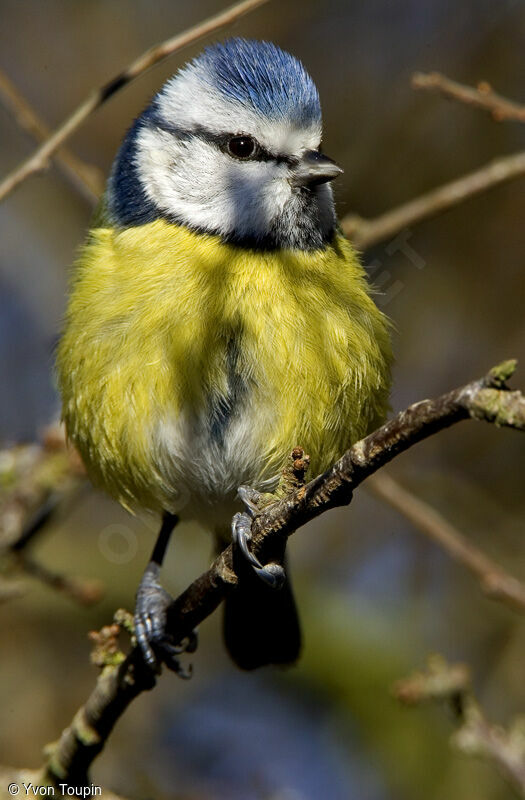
[
  {"x": 194, "y": 182},
  {"x": 273, "y": 199},
  {"x": 155, "y": 153}
]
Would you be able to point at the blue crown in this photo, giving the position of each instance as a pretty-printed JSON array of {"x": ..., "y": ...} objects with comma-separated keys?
[{"x": 262, "y": 75}]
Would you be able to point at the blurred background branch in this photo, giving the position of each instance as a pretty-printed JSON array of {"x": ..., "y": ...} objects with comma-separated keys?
[
  {"x": 85, "y": 178},
  {"x": 34, "y": 481},
  {"x": 483, "y": 96},
  {"x": 475, "y": 736},
  {"x": 40, "y": 158},
  {"x": 367, "y": 232},
  {"x": 494, "y": 581}
]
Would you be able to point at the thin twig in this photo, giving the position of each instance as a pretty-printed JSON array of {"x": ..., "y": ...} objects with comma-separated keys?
[
  {"x": 475, "y": 736},
  {"x": 37, "y": 522},
  {"x": 40, "y": 158},
  {"x": 85, "y": 591},
  {"x": 32, "y": 477},
  {"x": 367, "y": 232},
  {"x": 494, "y": 581},
  {"x": 487, "y": 399},
  {"x": 42, "y": 475},
  {"x": 85, "y": 178},
  {"x": 483, "y": 96}
]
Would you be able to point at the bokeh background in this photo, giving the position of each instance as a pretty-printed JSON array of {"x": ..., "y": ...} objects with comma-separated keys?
[{"x": 375, "y": 596}]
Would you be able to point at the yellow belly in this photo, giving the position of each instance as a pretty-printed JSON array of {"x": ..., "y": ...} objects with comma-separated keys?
[{"x": 188, "y": 366}]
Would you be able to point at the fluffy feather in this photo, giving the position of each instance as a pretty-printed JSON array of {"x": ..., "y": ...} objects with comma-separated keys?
[
  {"x": 171, "y": 335},
  {"x": 261, "y": 75}
]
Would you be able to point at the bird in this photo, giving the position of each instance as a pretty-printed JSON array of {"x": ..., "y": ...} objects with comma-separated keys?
[{"x": 217, "y": 318}]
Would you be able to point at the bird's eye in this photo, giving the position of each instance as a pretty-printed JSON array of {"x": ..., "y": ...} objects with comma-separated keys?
[{"x": 242, "y": 146}]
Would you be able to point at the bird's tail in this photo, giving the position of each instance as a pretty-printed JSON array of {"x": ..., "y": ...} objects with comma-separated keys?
[{"x": 261, "y": 625}]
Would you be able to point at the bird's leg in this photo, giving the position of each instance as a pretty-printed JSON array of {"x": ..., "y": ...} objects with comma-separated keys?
[
  {"x": 152, "y": 604},
  {"x": 273, "y": 573}
]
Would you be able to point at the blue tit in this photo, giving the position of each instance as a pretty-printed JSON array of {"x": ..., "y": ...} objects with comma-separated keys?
[{"x": 217, "y": 319}]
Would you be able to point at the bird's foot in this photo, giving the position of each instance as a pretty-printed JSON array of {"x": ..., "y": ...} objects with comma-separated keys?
[
  {"x": 151, "y": 611},
  {"x": 272, "y": 574}
]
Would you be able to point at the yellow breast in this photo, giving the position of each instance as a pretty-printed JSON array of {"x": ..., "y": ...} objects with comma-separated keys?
[{"x": 188, "y": 366}]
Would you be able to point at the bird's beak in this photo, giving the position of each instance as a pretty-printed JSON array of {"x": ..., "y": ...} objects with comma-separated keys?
[{"x": 314, "y": 168}]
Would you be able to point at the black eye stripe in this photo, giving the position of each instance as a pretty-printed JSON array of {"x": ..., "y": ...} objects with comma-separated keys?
[{"x": 220, "y": 140}]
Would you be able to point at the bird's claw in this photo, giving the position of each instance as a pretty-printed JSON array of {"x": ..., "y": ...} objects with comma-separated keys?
[
  {"x": 272, "y": 574},
  {"x": 250, "y": 498},
  {"x": 151, "y": 610},
  {"x": 241, "y": 536}
]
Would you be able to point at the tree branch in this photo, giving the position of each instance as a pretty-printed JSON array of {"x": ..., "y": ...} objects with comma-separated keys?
[
  {"x": 483, "y": 96},
  {"x": 119, "y": 683},
  {"x": 367, "y": 232},
  {"x": 85, "y": 178},
  {"x": 35, "y": 479},
  {"x": 40, "y": 158},
  {"x": 495, "y": 582},
  {"x": 475, "y": 736}
]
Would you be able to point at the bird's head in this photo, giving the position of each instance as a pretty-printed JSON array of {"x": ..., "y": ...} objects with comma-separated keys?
[{"x": 230, "y": 146}]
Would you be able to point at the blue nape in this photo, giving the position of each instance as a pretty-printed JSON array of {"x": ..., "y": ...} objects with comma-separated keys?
[{"x": 127, "y": 201}]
